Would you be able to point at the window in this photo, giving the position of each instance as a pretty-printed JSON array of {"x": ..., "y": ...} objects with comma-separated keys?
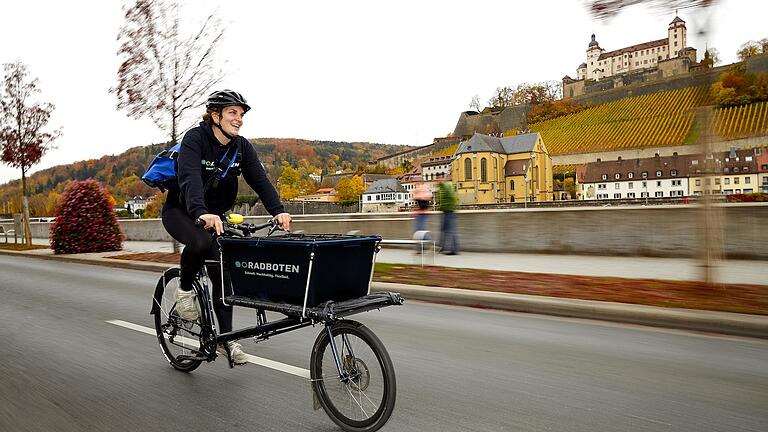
[
  {"x": 617, "y": 185},
  {"x": 748, "y": 191},
  {"x": 727, "y": 180},
  {"x": 630, "y": 175},
  {"x": 467, "y": 169},
  {"x": 673, "y": 173},
  {"x": 764, "y": 166},
  {"x": 483, "y": 170},
  {"x": 745, "y": 169},
  {"x": 643, "y": 194},
  {"x": 677, "y": 182},
  {"x": 601, "y": 186},
  {"x": 512, "y": 184},
  {"x": 735, "y": 169},
  {"x": 630, "y": 185},
  {"x": 695, "y": 162},
  {"x": 631, "y": 195},
  {"x": 658, "y": 173},
  {"x": 676, "y": 193},
  {"x": 617, "y": 176},
  {"x": 617, "y": 196},
  {"x": 369, "y": 197},
  {"x": 709, "y": 181},
  {"x": 645, "y": 175},
  {"x": 717, "y": 181},
  {"x": 746, "y": 180},
  {"x": 748, "y": 158},
  {"x": 605, "y": 176},
  {"x": 698, "y": 182},
  {"x": 735, "y": 180},
  {"x": 658, "y": 183},
  {"x": 726, "y": 170},
  {"x": 659, "y": 194},
  {"x": 645, "y": 184}
]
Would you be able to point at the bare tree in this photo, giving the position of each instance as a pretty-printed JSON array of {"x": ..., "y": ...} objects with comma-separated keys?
[
  {"x": 21, "y": 123},
  {"x": 711, "y": 57},
  {"x": 164, "y": 73},
  {"x": 503, "y": 97},
  {"x": 606, "y": 9},
  {"x": 475, "y": 103}
]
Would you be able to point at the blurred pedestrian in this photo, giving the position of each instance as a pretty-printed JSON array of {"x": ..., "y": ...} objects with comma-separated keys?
[
  {"x": 423, "y": 197},
  {"x": 449, "y": 240}
]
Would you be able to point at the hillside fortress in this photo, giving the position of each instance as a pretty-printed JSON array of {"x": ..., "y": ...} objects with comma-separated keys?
[{"x": 601, "y": 64}]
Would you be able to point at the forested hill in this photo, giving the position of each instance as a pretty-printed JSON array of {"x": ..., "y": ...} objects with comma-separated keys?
[{"x": 121, "y": 173}]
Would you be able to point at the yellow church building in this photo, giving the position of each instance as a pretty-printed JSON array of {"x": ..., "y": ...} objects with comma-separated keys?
[{"x": 490, "y": 170}]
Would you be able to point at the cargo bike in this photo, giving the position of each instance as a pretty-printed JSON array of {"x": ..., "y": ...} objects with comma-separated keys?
[{"x": 310, "y": 280}]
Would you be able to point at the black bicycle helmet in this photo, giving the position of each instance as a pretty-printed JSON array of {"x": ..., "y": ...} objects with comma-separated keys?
[{"x": 225, "y": 98}]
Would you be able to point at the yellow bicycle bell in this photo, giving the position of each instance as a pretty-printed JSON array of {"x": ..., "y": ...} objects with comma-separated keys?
[{"x": 235, "y": 218}]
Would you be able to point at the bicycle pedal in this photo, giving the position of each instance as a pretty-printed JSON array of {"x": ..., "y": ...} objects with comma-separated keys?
[{"x": 189, "y": 357}]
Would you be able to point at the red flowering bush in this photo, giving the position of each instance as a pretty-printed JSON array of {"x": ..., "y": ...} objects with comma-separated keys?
[{"x": 85, "y": 220}]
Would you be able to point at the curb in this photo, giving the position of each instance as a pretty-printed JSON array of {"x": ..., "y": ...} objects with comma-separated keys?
[{"x": 687, "y": 319}]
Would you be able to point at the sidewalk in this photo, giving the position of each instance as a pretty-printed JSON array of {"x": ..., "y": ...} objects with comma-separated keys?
[
  {"x": 730, "y": 271},
  {"x": 746, "y": 272}
]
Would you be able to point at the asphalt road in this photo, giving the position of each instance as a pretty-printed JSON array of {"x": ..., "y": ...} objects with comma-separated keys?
[{"x": 64, "y": 367}]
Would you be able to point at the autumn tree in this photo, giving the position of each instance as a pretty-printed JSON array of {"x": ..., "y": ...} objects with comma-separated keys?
[
  {"x": 164, "y": 73},
  {"x": 154, "y": 205},
  {"x": 21, "y": 128},
  {"x": 289, "y": 182},
  {"x": 749, "y": 49},
  {"x": 349, "y": 190}
]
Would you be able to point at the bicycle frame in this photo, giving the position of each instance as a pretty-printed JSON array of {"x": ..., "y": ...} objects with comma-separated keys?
[{"x": 264, "y": 328}]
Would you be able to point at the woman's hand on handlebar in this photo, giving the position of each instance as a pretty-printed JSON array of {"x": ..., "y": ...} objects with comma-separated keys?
[
  {"x": 284, "y": 221},
  {"x": 212, "y": 221}
]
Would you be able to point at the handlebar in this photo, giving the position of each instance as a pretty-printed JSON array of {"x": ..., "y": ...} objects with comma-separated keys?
[{"x": 244, "y": 229}]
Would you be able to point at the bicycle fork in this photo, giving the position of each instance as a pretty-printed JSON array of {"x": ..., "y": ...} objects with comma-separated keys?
[{"x": 344, "y": 375}]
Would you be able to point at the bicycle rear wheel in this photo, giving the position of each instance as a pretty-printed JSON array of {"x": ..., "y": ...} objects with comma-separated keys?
[
  {"x": 179, "y": 339},
  {"x": 364, "y": 398}
]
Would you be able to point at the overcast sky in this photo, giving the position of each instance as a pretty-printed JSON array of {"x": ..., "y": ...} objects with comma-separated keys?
[{"x": 395, "y": 72}]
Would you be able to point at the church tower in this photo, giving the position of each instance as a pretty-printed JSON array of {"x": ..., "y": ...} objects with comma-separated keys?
[{"x": 677, "y": 37}]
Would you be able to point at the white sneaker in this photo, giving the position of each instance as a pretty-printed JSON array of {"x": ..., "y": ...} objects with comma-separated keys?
[
  {"x": 186, "y": 304},
  {"x": 236, "y": 351}
]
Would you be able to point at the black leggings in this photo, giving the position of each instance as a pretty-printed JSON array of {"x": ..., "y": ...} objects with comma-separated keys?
[{"x": 198, "y": 246}]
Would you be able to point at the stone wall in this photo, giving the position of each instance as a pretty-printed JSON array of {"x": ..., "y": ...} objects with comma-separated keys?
[{"x": 660, "y": 230}]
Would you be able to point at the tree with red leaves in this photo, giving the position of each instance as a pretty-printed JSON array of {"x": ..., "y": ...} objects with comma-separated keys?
[
  {"x": 21, "y": 122},
  {"x": 85, "y": 220}
]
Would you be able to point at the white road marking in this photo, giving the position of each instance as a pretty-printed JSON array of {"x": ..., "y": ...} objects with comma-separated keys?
[{"x": 282, "y": 367}]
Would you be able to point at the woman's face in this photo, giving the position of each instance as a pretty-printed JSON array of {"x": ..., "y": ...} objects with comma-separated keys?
[{"x": 231, "y": 119}]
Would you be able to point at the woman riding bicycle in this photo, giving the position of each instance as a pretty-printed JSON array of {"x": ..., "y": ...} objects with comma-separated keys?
[{"x": 207, "y": 151}]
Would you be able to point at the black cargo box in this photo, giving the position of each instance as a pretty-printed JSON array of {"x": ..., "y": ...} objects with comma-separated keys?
[{"x": 304, "y": 270}]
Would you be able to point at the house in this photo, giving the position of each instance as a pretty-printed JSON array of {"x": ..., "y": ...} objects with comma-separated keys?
[
  {"x": 655, "y": 177},
  {"x": 386, "y": 195},
  {"x": 489, "y": 170},
  {"x": 136, "y": 203}
]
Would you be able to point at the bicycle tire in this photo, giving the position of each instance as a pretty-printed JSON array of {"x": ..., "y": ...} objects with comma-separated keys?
[
  {"x": 372, "y": 382},
  {"x": 169, "y": 326}
]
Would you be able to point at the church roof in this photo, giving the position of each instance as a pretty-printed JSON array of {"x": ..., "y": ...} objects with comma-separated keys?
[
  {"x": 633, "y": 48},
  {"x": 582, "y": 66},
  {"x": 506, "y": 145},
  {"x": 677, "y": 20},
  {"x": 593, "y": 42}
]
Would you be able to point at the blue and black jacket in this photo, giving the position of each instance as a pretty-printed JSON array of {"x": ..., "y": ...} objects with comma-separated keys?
[{"x": 198, "y": 159}]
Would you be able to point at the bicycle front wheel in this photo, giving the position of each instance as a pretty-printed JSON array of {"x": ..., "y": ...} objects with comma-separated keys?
[
  {"x": 363, "y": 397},
  {"x": 179, "y": 339}
]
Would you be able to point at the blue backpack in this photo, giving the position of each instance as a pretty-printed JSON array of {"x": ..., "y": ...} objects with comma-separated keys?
[{"x": 161, "y": 172}]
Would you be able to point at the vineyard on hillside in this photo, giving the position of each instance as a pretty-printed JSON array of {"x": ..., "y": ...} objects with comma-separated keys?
[
  {"x": 742, "y": 121},
  {"x": 654, "y": 120}
]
